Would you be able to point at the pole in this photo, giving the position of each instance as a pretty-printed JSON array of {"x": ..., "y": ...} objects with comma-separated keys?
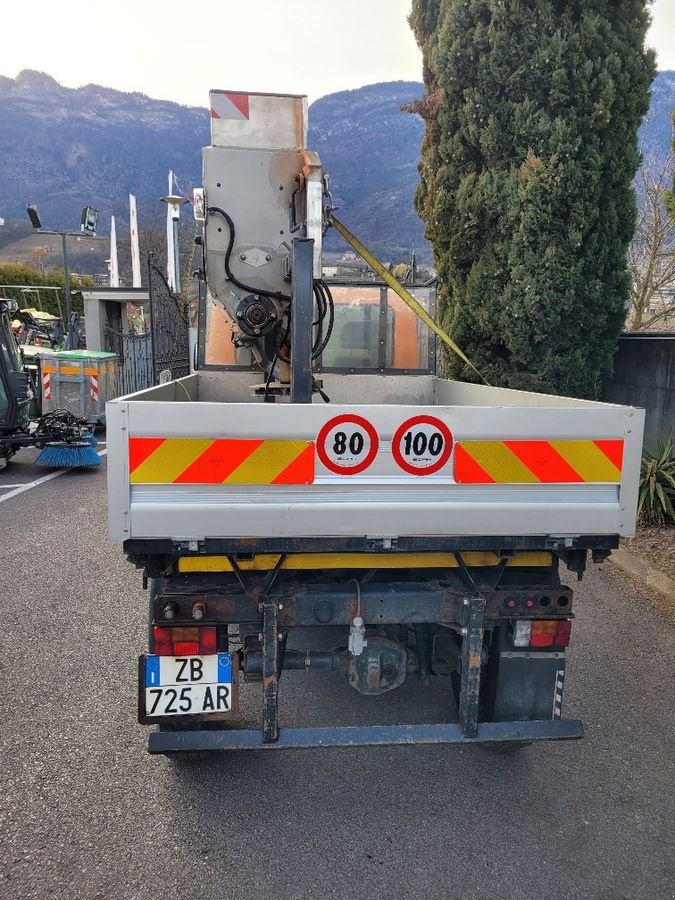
[
  {"x": 66, "y": 290},
  {"x": 176, "y": 257},
  {"x": 135, "y": 251}
]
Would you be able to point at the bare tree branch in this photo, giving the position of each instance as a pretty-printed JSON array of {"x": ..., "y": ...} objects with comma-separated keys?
[{"x": 651, "y": 255}]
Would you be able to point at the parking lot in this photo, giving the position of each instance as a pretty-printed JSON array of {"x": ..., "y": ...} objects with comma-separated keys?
[{"x": 85, "y": 812}]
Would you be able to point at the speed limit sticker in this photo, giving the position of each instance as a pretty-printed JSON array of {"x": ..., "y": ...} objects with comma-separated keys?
[
  {"x": 422, "y": 445},
  {"x": 347, "y": 445}
]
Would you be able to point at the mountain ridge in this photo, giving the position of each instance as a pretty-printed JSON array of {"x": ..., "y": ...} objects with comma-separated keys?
[{"x": 64, "y": 148}]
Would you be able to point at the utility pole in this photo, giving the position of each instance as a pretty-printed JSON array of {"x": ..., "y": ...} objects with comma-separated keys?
[
  {"x": 66, "y": 289},
  {"x": 174, "y": 203},
  {"x": 88, "y": 227}
]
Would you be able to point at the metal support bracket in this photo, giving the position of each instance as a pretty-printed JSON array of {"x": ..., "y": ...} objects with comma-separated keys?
[
  {"x": 302, "y": 314},
  {"x": 270, "y": 671},
  {"x": 472, "y": 646}
]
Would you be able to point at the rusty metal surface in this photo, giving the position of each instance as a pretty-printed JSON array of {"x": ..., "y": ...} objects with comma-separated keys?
[
  {"x": 472, "y": 647},
  {"x": 270, "y": 672},
  {"x": 402, "y": 544},
  {"x": 381, "y": 604}
]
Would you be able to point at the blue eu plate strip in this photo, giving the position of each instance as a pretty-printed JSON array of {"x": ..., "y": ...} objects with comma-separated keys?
[
  {"x": 224, "y": 668},
  {"x": 151, "y": 671}
]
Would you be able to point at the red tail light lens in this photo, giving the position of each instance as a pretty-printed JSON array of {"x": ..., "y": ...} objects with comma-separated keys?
[
  {"x": 186, "y": 648},
  {"x": 197, "y": 641},
  {"x": 161, "y": 640},
  {"x": 543, "y": 633},
  {"x": 562, "y": 633},
  {"x": 208, "y": 639}
]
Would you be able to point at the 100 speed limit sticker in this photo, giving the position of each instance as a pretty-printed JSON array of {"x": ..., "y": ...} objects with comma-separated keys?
[
  {"x": 422, "y": 445},
  {"x": 347, "y": 445}
]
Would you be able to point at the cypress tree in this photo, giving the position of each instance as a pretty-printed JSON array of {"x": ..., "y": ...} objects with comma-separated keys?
[{"x": 532, "y": 109}]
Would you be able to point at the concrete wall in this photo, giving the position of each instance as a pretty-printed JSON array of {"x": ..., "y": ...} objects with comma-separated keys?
[{"x": 645, "y": 376}]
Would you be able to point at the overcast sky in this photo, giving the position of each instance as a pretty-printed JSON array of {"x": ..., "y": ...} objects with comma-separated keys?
[{"x": 178, "y": 51}]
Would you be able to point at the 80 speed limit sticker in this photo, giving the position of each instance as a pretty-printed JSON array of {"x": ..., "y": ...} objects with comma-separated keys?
[
  {"x": 422, "y": 445},
  {"x": 347, "y": 445}
]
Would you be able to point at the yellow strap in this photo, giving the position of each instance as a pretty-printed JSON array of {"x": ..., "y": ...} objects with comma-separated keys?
[{"x": 405, "y": 295}]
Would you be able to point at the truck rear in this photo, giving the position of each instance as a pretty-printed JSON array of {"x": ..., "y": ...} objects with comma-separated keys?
[{"x": 420, "y": 524}]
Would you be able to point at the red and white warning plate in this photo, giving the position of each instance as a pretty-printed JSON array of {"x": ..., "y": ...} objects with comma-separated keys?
[
  {"x": 347, "y": 445},
  {"x": 422, "y": 445}
]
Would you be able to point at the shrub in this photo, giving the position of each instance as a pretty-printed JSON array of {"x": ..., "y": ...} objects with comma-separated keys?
[{"x": 656, "y": 504}]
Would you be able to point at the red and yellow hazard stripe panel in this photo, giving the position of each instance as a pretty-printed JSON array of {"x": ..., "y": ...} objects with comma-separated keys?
[
  {"x": 220, "y": 461},
  {"x": 538, "y": 462}
]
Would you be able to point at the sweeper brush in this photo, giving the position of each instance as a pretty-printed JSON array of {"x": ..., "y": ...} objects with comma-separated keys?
[
  {"x": 68, "y": 456},
  {"x": 65, "y": 441}
]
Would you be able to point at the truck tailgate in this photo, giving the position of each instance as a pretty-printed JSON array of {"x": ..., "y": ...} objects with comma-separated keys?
[{"x": 197, "y": 470}]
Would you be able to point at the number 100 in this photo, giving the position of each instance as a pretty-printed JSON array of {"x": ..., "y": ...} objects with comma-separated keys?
[{"x": 418, "y": 443}]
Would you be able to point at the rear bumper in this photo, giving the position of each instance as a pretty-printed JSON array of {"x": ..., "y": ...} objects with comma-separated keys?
[{"x": 368, "y": 736}]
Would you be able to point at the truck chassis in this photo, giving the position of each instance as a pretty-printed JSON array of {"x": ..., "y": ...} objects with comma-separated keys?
[{"x": 454, "y": 621}]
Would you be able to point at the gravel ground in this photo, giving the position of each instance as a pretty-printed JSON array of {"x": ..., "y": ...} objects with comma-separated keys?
[{"x": 656, "y": 546}]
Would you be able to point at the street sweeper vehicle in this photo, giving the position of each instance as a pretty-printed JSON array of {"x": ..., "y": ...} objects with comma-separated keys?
[
  {"x": 316, "y": 478},
  {"x": 63, "y": 439}
]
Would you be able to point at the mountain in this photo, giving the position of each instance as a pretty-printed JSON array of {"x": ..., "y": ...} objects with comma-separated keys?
[
  {"x": 64, "y": 148},
  {"x": 657, "y": 129},
  {"x": 371, "y": 150}
]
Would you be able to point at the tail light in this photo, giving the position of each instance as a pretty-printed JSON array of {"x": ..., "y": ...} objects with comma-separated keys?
[
  {"x": 193, "y": 641},
  {"x": 198, "y": 610},
  {"x": 562, "y": 633},
  {"x": 522, "y": 630},
  {"x": 542, "y": 633}
]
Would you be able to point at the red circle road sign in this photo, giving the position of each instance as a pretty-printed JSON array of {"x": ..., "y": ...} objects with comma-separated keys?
[
  {"x": 422, "y": 445},
  {"x": 347, "y": 444}
]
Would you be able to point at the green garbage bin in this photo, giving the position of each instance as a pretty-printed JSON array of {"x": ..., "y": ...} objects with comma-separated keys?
[{"x": 80, "y": 381}]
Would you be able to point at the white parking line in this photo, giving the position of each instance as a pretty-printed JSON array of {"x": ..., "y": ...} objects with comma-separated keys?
[
  {"x": 7, "y": 487},
  {"x": 26, "y": 487}
]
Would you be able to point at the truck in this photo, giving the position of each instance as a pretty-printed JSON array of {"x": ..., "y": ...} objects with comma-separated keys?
[{"x": 315, "y": 474}]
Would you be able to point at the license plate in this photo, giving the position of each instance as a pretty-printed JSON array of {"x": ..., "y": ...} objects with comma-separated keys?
[{"x": 187, "y": 685}]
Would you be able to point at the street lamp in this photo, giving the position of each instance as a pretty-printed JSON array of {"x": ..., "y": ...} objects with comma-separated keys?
[
  {"x": 174, "y": 202},
  {"x": 88, "y": 227}
]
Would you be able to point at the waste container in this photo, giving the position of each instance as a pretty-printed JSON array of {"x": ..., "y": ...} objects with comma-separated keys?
[
  {"x": 33, "y": 360},
  {"x": 80, "y": 381}
]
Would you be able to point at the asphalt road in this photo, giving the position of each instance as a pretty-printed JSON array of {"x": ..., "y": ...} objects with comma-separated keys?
[{"x": 85, "y": 812}]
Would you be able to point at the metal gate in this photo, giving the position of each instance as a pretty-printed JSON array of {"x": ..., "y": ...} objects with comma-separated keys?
[
  {"x": 134, "y": 354},
  {"x": 169, "y": 328}
]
